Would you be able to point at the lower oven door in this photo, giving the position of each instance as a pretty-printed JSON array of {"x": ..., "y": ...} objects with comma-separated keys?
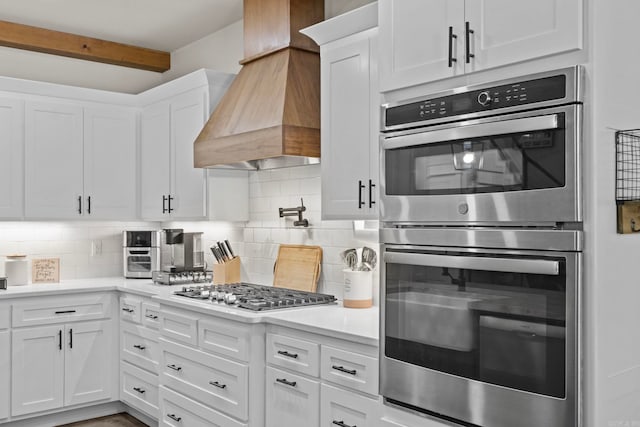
[
  {"x": 139, "y": 263},
  {"x": 484, "y": 337}
]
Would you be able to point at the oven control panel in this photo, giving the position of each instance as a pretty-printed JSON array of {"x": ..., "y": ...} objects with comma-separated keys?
[{"x": 490, "y": 98}]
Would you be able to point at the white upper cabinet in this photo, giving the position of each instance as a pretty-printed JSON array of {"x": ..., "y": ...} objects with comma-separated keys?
[
  {"x": 110, "y": 163},
  {"x": 427, "y": 40},
  {"x": 53, "y": 166},
  {"x": 350, "y": 109},
  {"x": 11, "y": 158},
  {"x": 189, "y": 112},
  {"x": 171, "y": 187},
  {"x": 155, "y": 158},
  {"x": 80, "y": 163}
]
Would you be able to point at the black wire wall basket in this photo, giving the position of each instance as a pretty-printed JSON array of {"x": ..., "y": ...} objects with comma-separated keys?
[{"x": 628, "y": 180}]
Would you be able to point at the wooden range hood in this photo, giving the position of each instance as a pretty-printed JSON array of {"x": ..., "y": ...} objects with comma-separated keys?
[{"x": 270, "y": 115}]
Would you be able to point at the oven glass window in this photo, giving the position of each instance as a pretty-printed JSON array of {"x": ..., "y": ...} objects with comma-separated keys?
[
  {"x": 499, "y": 163},
  {"x": 497, "y": 327},
  {"x": 139, "y": 264}
]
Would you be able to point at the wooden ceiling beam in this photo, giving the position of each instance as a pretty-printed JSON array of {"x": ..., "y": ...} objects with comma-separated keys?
[{"x": 38, "y": 39}]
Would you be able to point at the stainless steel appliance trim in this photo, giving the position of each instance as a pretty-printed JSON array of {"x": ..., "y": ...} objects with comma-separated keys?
[
  {"x": 529, "y": 266},
  {"x": 574, "y": 77},
  {"x": 482, "y": 403},
  {"x": 477, "y": 237},
  {"x": 474, "y": 129},
  {"x": 561, "y": 204}
]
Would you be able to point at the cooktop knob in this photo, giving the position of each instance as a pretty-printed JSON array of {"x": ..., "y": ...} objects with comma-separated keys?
[{"x": 484, "y": 98}]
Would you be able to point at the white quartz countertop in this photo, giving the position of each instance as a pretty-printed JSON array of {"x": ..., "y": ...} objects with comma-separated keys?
[{"x": 360, "y": 325}]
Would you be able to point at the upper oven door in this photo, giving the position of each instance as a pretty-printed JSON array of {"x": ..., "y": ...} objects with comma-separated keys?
[{"x": 515, "y": 168}]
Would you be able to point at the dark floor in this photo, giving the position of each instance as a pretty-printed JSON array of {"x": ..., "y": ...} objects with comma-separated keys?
[{"x": 118, "y": 420}]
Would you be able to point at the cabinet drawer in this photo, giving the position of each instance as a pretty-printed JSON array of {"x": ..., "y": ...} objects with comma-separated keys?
[
  {"x": 218, "y": 382},
  {"x": 349, "y": 369},
  {"x": 291, "y": 400},
  {"x": 61, "y": 309},
  {"x": 150, "y": 315},
  {"x": 225, "y": 337},
  {"x": 139, "y": 346},
  {"x": 292, "y": 353},
  {"x": 179, "y": 411},
  {"x": 139, "y": 389},
  {"x": 5, "y": 316},
  {"x": 130, "y": 308},
  {"x": 343, "y": 408},
  {"x": 179, "y": 327}
]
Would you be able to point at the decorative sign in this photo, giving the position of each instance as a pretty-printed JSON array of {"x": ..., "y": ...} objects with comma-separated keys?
[{"x": 45, "y": 270}]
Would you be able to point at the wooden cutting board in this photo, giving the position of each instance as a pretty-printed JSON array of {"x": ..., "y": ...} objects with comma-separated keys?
[{"x": 298, "y": 267}]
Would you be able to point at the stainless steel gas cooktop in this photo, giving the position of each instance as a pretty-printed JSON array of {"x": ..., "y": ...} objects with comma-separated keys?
[{"x": 255, "y": 297}]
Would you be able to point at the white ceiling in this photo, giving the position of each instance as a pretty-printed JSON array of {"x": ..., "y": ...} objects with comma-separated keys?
[{"x": 156, "y": 24}]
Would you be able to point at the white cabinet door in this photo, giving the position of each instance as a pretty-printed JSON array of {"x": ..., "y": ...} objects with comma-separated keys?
[
  {"x": 5, "y": 363},
  {"x": 37, "y": 369},
  {"x": 89, "y": 362},
  {"x": 155, "y": 153},
  {"x": 343, "y": 408},
  {"x": 291, "y": 400},
  {"x": 414, "y": 41},
  {"x": 53, "y": 151},
  {"x": 349, "y": 122},
  {"x": 188, "y": 184},
  {"x": 507, "y": 31},
  {"x": 11, "y": 158},
  {"x": 110, "y": 163}
]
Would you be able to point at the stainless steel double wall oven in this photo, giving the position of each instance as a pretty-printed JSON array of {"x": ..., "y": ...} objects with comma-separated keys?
[{"x": 481, "y": 213}]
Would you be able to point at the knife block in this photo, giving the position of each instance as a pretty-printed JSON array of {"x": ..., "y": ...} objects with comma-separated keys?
[{"x": 226, "y": 273}]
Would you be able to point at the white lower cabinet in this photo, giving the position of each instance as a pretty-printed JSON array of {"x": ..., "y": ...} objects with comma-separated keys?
[
  {"x": 345, "y": 409},
  {"x": 139, "y": 388},
  {"x": 5, "y": 363},
  {"x": 61, "y": 365},
  {"x": 291, "y": 400},
  {"x": 178, "y": 411}
]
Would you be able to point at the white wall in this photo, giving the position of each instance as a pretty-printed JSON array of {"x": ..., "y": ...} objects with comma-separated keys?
[{"x": 613, "y": 286}]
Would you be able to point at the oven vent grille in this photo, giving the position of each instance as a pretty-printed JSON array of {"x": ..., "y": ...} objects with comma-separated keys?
[{"x": 628, "y": 180}]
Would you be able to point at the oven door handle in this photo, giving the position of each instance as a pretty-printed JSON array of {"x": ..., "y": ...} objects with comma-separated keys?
[
  {"x": 509, "y": 265},
  {"x": 473, "y": 129}
]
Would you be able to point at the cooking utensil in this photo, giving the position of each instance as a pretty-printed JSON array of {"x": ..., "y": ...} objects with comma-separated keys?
[
  {"x": 298, "y": 267},
  {"x": 226, "y": 242},
  {"x": 369, "y": 258},
  {"x": 350, "y": 258}
]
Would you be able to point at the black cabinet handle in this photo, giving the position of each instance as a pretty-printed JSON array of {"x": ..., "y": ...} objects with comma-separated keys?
[
  {"x": 89, "y": 205},
  {"x": 151, "y": 316},
  {"x": 287, "y": 354},
  {"x": 79, "y": 205},
  {"x": 139, "y": 390},
  {"x": 468, "y": 31},
  {"x": 451, "y": 38},
  {"x": 65, "y": 311},
  {"x": 174, "y": 417},
  {"x": 170, "y": 199},
  {"x": 174, "y": 367},
  {"x": 345, "y": 370},
  {"x": 164, "y": 204},
  {"x": 285, "y": 382},
  {"x": 342, "y": 424},
  {"x": 360, "y": 188},
  {"x": 217, "y": 384},
  {"x": 70, "y": 338},
  {"x": 128, "y": 310},
  {"x": 139, "y": 347},
  {"x": 60, "y": 339},
  {"x": 371, "y": 201}
]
